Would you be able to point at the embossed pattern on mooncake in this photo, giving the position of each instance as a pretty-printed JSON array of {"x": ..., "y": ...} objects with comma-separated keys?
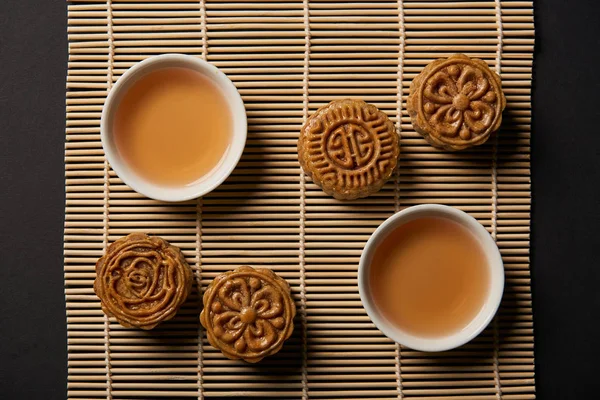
[
  {"x": 248, "y": 313},
  {"x": 349, "y": 148},
  {"x": 456, "y": 103},
  {"x": 142, "y": 280}
]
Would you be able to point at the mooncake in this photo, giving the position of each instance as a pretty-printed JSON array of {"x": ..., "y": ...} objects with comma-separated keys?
[
  {"x": 349, "y": 148},
  {"x": 248, "y": 313},
  {"x": 456, "y": 103},
  {"x": 142, "y": 280}
]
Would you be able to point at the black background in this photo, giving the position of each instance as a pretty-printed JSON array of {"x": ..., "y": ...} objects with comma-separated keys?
[{"x": 566, "y": 216}]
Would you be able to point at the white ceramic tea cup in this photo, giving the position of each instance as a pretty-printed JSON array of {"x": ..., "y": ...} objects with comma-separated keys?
[
  {"x": 491, "y": 303},
  {"x": 219, "y": 174}
]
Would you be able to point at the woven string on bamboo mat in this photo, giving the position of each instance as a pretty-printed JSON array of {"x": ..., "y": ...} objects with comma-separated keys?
[{"x": 287, "y": 58}]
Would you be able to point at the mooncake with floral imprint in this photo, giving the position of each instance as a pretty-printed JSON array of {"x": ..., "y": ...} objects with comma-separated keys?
[
  {"x": 248, "y": 313},
  {"x": 349, "y": 148},
  {"x": 456, "y": 103},
  {"x": 142, "y": 280}
]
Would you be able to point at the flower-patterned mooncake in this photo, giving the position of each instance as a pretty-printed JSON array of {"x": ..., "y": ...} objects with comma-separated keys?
[
  {"x": 248, "y": 313},
  {"x": 456, "y": 103}
]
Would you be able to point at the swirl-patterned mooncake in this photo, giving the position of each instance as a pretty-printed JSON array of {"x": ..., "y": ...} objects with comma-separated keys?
[
  {"x": 248, "y": 313},
  {"x": 349, "y": 148},
  {"x": 456, "y": 103},
  {"x": 142, "y": 280}
]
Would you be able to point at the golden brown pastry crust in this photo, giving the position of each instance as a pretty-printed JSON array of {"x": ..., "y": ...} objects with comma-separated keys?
[
  {"x": 349, "y": 148},
  {"x": 456, "y": 103},
  {"x": 248, "y": 313},
  {"x": 142, "y": 280}
]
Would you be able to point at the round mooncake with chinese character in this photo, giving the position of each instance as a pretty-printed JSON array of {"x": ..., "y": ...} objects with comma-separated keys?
[{"x": 349, "y": 148}]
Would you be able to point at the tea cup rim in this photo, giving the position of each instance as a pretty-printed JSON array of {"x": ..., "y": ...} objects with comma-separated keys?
[{"x": 479, "y": 322}]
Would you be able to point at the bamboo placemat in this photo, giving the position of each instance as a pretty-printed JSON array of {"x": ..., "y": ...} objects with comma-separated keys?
[{"x": 287, "y": 58}]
